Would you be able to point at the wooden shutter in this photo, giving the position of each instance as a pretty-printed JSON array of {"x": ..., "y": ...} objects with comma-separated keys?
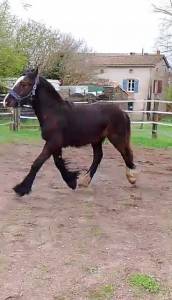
[
  {"x": 157, "y": 86},
  {"x": 125, "y": 84},
  {"x": 159, "y": 89},
  {"x": 136, "y": 86}
]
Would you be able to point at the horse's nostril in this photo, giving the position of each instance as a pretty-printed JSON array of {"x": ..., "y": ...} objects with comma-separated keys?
[{"x": 9, "y": 102}]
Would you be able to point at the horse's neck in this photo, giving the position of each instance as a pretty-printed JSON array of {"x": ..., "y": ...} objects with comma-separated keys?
[{"x": 45, "y": 105}]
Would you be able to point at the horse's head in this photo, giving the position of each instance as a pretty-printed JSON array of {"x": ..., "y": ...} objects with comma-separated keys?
[{"x": 23, "y": 90}]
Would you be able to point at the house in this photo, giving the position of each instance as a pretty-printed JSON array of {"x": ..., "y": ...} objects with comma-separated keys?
[{"x": 142, "y": 76}]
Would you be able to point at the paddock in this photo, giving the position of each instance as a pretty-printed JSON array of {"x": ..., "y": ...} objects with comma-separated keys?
[{"x": 59, "y": 244}]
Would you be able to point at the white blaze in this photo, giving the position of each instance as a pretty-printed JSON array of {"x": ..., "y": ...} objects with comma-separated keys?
[
  {"x": 17, "y": 81},
  {"x": 4, "y": 101}
]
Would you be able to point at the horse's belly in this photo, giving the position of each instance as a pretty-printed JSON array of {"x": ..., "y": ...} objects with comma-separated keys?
[{"x": 87, "y": 136}]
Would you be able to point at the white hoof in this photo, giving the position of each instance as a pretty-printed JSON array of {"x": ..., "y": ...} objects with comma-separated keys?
[
  {"x": 84, "y": 181},
  {"x": 131, "y": 175}
]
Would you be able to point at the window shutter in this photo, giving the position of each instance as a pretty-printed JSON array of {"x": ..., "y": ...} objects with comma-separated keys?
[
  {"x": 154, "y": 86},
  {"x": 159, "y": 87},
  {"x": 136, "y": 86},
  {"x": 125, "y": 83}
]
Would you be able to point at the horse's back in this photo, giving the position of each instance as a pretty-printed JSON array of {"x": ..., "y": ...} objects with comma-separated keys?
[
  {"x": 100, "y": 112},
  {"x": 89, "y": 123}
]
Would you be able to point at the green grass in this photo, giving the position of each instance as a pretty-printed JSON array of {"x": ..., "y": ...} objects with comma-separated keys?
[
  {"x": 139, "y": 137},
  {"x": 23, "y": 135},
  {"x": 105, "y": 292},
  {"x": 144, "y": 283},
  {"x": 143, "y": 137}
]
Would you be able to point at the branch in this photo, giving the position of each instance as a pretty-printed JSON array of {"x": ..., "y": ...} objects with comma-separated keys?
[{"x": 162, "y": 10}]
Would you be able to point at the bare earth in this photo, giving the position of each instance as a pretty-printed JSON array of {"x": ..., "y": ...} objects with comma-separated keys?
[{"x": 58, "y": 244}]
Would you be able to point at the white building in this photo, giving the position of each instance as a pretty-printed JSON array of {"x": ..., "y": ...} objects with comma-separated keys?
[{"x": 143, "y": 76}]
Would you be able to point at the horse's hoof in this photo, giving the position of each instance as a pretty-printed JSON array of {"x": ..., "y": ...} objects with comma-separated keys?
[
  {"x": 84, "y": 181},
  {"x": 131, "y": 175},
  {"x": 72, "y": 184},
  {"x": 21, "y": 190}
]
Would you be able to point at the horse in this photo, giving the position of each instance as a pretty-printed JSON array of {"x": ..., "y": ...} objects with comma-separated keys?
[{"x": 66, "y": 124}]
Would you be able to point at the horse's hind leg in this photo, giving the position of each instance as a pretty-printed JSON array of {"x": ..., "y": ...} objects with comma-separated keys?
[
  {"x": 97, "y": 157},
  {"x": 123, "y": 146},
  {"x": 70, "y": 177}
]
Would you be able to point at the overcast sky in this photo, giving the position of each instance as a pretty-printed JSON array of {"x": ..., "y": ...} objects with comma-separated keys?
[{"x": 106, "y": 26}]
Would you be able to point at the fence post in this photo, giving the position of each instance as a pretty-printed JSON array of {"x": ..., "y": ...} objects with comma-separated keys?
[
  {"x": 16, "y": 119},
  {"x": 155, "y": 119},
  {"x": 13, "y": 125},
  {"x": 143, "y": 114}
]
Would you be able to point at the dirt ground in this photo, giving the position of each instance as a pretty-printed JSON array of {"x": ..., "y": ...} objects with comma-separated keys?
[{"x": 58, "y": 244}]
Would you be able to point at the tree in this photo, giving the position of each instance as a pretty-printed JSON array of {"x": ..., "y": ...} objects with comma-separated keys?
[
  {"x": 30, "y": 44},
  {"x": 37, "y": 42},
  {"x": 70, "y": 62},
  {"x": 164, "y": 41},
  {"x": 12, "y": 61},
  {"x": 56, "y": 53}
]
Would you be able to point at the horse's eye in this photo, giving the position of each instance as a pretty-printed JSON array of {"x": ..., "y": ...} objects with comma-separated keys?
[{"x": 23, "y": 84}]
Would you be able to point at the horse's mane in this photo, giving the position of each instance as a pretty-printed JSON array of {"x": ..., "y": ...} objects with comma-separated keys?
[
  {"x": 49, "y": 87},
  {"x": 43, "y": 82}
]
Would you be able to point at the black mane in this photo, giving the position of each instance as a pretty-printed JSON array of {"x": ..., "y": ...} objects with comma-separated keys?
[{"x": 44, "y": 83}]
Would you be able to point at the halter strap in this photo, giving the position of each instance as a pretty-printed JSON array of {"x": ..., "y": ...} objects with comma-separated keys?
[{"x": 30, "y": 94}]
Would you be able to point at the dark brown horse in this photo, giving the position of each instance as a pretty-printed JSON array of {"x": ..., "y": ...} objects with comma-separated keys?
[{"x": 67, "y": 124}]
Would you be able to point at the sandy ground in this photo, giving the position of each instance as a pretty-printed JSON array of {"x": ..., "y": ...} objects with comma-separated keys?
[{"x": 58, "y": 244}]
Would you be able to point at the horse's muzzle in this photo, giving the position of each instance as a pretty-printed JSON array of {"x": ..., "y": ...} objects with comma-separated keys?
[{"x": 9, "y": 101}]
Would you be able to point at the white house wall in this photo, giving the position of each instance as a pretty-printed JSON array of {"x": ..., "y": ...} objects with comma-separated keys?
[{"x": 118, "y": 74}]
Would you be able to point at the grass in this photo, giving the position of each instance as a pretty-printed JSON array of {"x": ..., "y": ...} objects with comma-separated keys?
[
  {"x": 23, "y": 135},
  {"x": 105, "y": 292},
  {"x": 140, "y": 137},
  {"x": 144, "y": 283},
  {"x": 143, "y": 137}
]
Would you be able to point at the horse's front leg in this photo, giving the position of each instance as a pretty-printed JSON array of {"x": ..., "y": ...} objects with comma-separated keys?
[
  {"x": 70, "y": 177},
  {"x": 26, "y": 185}
]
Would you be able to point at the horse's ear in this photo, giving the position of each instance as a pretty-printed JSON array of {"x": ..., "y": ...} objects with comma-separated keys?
[{"x": 36, "y": 71}]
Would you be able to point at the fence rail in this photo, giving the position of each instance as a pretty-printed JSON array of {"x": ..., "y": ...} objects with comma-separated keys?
[{"x": 18, "y": 114}]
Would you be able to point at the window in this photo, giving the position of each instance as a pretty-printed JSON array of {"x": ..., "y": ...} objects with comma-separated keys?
[
  {"x": 131, "y": 85},
  {"x": 130, "y": 106}
]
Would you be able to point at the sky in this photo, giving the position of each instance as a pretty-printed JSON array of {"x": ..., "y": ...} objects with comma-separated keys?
[{"x": 117, "y": 26}]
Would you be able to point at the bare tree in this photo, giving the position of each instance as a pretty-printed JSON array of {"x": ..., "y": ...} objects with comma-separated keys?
[
  {"x": 70, "y": 62},
  {"x": 57, "y": 54},
  {"x": 164, "y": 41},
  {"x": 27, "y": 44}
]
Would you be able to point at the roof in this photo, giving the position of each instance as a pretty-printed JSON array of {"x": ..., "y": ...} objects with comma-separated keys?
[{"x": 129, "y": 60}]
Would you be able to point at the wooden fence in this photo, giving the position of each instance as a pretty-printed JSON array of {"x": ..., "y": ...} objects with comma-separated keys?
[{"x": 19, "y": 115}]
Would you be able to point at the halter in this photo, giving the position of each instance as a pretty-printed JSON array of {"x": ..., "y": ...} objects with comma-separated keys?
[{"x": 29, "y": 95}]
